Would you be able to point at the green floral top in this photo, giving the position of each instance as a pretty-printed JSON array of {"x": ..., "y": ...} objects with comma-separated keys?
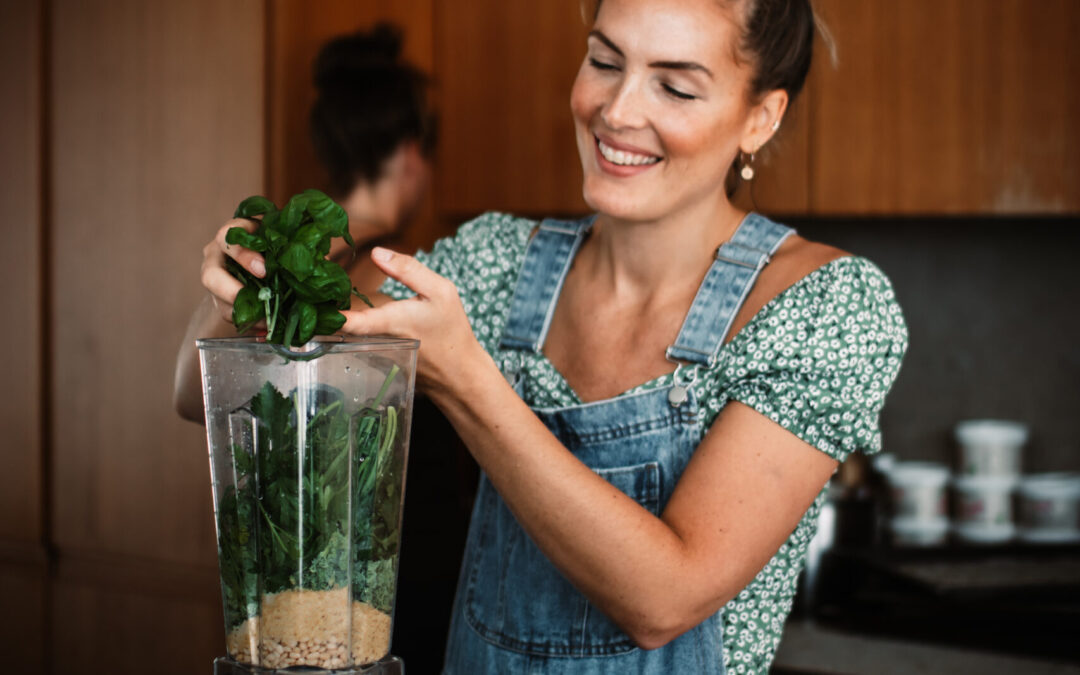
[{"x": 818, "y": 360}]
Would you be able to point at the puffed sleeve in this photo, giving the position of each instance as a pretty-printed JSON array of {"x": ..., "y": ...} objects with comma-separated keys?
[{"x": 823, "y": 357}]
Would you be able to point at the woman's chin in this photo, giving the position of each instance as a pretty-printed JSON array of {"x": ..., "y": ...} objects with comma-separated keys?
[{"x": 620, "y": 206}]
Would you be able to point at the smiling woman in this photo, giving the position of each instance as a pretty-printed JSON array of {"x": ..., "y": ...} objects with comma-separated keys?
[{"x": 656, "y": 393}]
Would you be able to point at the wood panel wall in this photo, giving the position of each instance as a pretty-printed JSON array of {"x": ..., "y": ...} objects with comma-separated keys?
[
  {"x": 948, "y": 106},
  {"x": 156, "y": 130},
  {"x": 20, "y": 271},
  {"x": 23, "y": 561}
]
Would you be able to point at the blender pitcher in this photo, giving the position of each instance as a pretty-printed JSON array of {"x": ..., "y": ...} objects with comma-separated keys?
[{"x": 308, "y": 451}]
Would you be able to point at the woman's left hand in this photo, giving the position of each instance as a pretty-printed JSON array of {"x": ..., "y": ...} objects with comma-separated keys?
[{"x": 449, "y": 351}]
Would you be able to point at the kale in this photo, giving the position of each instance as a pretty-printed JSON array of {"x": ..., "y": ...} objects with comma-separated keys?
[
  {"x": 309, "y": 468},
  {"x": 302, "y": 293}
]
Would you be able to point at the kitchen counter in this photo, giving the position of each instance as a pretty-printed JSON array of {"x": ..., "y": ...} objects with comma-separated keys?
[{"x": 811, "y": 648}]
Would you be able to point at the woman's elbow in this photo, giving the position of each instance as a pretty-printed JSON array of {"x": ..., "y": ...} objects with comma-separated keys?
[
  {"x": 652, "y": 629},
  {"x": 655, "y": 625},
  {"x": 189, "y": 410}
]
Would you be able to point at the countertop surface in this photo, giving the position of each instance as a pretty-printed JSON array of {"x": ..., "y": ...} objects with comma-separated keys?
[{"x": 811, "y": 648}]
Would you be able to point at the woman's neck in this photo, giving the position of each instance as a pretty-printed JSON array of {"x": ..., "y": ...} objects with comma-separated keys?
[
  {"x": 646, "y": 259},
  {"x": 374, "y": 213}
]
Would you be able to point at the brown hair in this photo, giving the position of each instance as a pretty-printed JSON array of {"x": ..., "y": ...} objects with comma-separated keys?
[{"x": 369, "y": 101}]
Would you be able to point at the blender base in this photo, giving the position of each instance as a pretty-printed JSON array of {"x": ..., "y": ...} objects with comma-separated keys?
[{"x": 388, "y": 665}]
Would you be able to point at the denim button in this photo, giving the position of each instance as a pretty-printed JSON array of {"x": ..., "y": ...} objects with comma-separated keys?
[{"x": 677, "y": 396}]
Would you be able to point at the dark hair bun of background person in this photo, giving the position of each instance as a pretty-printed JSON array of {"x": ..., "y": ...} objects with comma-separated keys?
[{"x": 369, "y": 102}]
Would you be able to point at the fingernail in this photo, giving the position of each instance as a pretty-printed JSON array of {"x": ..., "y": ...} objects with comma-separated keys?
[
  {"x": 258, "y": 267},
  {"x": 382, "y": 254}
]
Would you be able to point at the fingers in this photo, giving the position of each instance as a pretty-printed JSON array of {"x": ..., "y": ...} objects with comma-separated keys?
[
  {"x": 411, "y": 272},
  {"x": 216, "y": 278},
  {"x": 248, "y": 259},
  {"x": 388, "y": 319}
]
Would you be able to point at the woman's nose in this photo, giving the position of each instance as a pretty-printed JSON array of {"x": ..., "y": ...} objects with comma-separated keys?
[{"x": 623, "y": 110}]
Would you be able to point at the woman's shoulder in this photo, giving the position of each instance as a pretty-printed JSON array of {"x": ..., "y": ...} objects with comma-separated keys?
[
  {"x": 494, "y": 231},
  {"x": 826, "y": 285}
]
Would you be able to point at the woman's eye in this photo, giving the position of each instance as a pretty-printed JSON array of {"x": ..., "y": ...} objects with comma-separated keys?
[
  {"x": 679, "y": 94},
  {"x": 600, "y": 65}
]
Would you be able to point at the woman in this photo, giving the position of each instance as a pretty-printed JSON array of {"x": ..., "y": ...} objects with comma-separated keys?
[{"x": 656, "y": 394}]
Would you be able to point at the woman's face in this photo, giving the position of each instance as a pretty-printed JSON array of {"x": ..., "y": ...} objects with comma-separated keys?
[{"x": 660, "y": 106}]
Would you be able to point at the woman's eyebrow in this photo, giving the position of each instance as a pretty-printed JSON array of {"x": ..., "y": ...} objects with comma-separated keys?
[{"x": 671, "y": 65}]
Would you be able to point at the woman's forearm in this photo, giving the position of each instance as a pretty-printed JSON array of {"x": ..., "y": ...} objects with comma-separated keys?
[
  {"x": 187, "y": 384},
  {"x": 628, "y": 562}
]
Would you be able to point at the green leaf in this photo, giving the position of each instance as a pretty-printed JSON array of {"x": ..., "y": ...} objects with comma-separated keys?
[
  {"x": 328, "y": 214},
  {"x": 254, "y": 206},
  {"x": 300, "y": 261},
  {"x": 365, "y": 299},
  {"x": 329, "y": 320},
  {"x": 247, "y": 308},
  {"x": 292, "y": 216},
  {"x": 314, "y": 238},
  {"x": 308, "y": 317},
  {"x": 238, "y": 236}
]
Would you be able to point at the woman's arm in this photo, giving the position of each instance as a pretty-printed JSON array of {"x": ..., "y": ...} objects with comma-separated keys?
[{"x": 743, "y": 493}]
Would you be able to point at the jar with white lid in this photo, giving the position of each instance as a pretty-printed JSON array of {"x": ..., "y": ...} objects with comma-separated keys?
[
  {"x": 918, "y": 491},
  {"x": 1049, "y": 508},
  {"x": 990, "y": 447},
  {"x": 983, "y": 511}
]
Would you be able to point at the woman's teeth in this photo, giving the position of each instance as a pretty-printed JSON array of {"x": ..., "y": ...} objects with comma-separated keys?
[{"x": 623, "y": 158}]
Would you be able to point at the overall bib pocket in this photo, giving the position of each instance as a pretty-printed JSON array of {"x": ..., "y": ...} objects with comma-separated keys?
[{"x": 515, "y": 598}]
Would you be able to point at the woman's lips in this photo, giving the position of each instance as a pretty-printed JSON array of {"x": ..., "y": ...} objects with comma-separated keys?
[{"x": 621, "y": 160}]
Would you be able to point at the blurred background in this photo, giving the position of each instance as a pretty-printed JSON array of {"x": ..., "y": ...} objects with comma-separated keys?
[{"x": 943, "y": 145}]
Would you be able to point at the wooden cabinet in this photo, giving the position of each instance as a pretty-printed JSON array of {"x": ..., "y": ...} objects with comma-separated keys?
[
  {"x": 947, "y": 106},
  {"x": 507, "y": 138}
]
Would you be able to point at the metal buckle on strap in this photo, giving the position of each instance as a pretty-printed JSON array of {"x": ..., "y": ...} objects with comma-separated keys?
[{"x": 763, "y": 256}]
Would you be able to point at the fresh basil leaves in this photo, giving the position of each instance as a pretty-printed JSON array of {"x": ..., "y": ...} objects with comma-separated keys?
[{"x": 303, "y": 293}]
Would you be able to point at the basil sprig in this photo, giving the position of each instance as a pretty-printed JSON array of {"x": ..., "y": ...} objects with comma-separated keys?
[{"x": 303, "y": 293}]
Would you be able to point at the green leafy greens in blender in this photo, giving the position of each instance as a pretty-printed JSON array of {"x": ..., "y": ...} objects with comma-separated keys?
[{"x": 298, "y": 493}]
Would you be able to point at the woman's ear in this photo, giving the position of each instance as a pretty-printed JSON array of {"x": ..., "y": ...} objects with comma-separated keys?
[{"x": 764, "y": 121}]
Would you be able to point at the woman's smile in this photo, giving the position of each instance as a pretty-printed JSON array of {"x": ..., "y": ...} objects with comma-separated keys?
[{"x": 623, "y": 160}]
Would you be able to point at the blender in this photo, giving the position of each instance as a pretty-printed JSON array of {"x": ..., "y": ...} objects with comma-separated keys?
[{"x": 308, "y": 449}]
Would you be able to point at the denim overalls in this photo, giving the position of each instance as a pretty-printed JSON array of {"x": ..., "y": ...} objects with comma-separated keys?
[{"x": 514, "y": 611}]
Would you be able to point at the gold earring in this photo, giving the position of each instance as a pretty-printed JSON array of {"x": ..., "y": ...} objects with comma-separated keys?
[{"x": 747, "y": 171}]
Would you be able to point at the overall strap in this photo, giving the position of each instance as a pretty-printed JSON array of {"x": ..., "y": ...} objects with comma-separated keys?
[
  {"x": 727, "y": 283},
  {"x": 547, "y": 260}
]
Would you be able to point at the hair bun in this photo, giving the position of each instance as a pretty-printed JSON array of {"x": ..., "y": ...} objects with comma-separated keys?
[{"x": 357, "y": 53}]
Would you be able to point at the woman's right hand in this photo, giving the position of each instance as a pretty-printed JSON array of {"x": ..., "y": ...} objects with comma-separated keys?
[{"x": 223, "y": 286}]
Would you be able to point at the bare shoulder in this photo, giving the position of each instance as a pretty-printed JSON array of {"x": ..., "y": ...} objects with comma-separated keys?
[{"x": 796, "y": 258}]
